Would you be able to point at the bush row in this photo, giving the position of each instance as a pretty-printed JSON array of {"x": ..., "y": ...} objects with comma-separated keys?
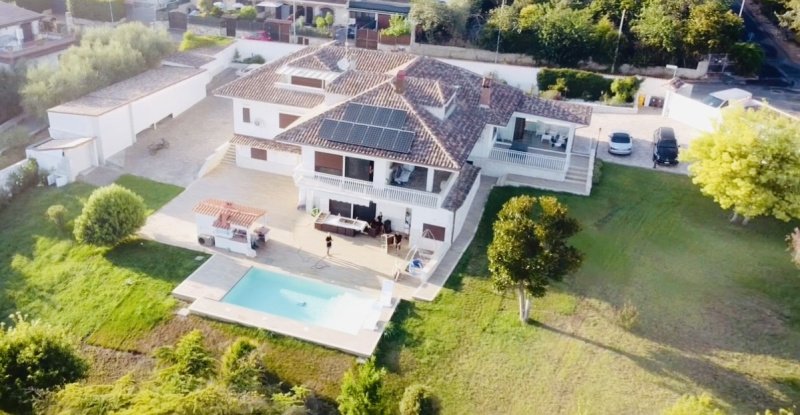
[
  {"x": 573, "y": 83},
  {"x": 102, "y": 10},
  {"x": 24, "y": 178},
  {"x": 35, "y": 5}
]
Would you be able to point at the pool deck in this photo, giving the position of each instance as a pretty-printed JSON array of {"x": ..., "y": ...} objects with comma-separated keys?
[{"x": 206, "y": 287}]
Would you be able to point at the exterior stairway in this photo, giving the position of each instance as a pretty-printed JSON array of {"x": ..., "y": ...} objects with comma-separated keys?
[
  {"x": 230, "y": 156},
  {"x": 577, "y": 179}
]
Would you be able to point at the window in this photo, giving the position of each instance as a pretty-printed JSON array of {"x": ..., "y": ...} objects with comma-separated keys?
[
  {"x": 328, "y": 163},
  {"x": 258, "y": 153},
  {"x": 309, "y": 82},
  {"x": 360, "y": 169},
  {"x": 285, "y": 119},
  {"x": 433, "y": 232},
  {"x": 246, "y": 115}
]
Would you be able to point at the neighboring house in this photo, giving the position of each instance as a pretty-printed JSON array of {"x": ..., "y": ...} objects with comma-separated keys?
[
  {"x": 213, "y": 60},
  {"x": 87, "y": 131},
  {"x": 366, "y": 132},
  {"x": 23, "y": 37},
  {"x": 701, "y": 114}
]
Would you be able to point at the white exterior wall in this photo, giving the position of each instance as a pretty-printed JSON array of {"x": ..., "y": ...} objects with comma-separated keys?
[
  {"x": 690, "y": 112},
  {"x": 278, "y": 162},
  {"x": 68, "y": 162},
  {"x": 522, "y": 77},
  {"x": 204, "y": 224},
  {"x": 71, "y": 125},
  {"x": 265, "y": 114},
  {"x": 269, "y": 50},
  {"x": 114, "y": 132},
  {"x": 484, "y": 145},
  {"x": 173, "y": 100},
  {"x": 461, "y": 213}
]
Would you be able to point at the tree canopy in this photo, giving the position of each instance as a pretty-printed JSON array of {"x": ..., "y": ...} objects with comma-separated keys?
[
  {"x": 111, "y": 214},
  {"x": 529, "y": 248},
  {"x": 361, "y": 389},
  {"x": 104, "y": 56},
  {"x": 750, "y": 164}
]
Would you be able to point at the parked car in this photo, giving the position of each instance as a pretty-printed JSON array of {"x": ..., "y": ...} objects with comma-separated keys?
[
  {"x": 665, "y": 147},
  {"x": 247, "y": 69},
  {"x": 263, "y": 36},
  {"x": 620, "y": 143}
]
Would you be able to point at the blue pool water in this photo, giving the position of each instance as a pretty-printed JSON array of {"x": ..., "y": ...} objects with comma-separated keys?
[{"x": 301, "y": 299}]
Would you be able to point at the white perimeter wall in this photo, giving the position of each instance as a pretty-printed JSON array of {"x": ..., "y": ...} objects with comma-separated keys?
[
  {"x": 266, "y": 114},
  {"x": 690, "y": 112},
  {"x": 114, "y": 132},
  {"x": 278, "y": 162},
  {"x": 522, "y": 77},
  {"x": 269, "y": 50},
  {"x": 174, "y": 99}
]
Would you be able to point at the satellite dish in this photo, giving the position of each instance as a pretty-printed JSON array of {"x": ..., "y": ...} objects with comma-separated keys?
[{"x": 343, "y": 64}]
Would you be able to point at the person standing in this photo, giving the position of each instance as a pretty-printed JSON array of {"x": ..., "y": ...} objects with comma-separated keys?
[
  {"x": 398, "y": 237},
  {"x": 328, "y": 243}
]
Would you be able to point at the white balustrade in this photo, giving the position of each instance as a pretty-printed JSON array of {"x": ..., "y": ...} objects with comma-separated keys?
[
  {"x": 538, "y": 161},
  {"x": 360, "y": 187}
]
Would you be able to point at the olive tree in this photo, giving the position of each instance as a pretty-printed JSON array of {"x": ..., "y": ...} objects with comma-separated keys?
[
  {"x": 530, "y": 248},
  {"x": 750, "y": 164},
  {"x": 111, "y": 214},
  {"x": 35, "y": 357}
]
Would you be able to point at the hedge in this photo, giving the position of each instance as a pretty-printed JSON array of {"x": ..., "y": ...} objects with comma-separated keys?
[
  {"x": 579, "y": 84},
  {"x": 35, "y": 5},
  {"x": 97, "y": 9}
]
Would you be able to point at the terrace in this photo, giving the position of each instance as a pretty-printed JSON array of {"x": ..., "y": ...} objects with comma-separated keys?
[{"x": 45, "y": 43}]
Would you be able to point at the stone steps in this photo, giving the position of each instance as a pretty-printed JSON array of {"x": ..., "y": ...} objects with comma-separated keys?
[{"x": 230, "y": 156}]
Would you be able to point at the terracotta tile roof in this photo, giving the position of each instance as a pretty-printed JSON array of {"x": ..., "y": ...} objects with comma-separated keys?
[
  {"x": 13, "y": 15},
  {"x": 259, "y": 85},
  {"x": 264, "y": 144},
  {"x": 327, "y": 58},
  {"x": 460, "y": 190},
  {"x": 228, "y": 213},
  {"x": 354, "y": 82},
  {"x": 429, "y": 92}
]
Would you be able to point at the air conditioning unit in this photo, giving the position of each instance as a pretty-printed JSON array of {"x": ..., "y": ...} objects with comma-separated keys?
[
  {"x": 205, "y": 240},
  {"x": 258, "y": 122}
]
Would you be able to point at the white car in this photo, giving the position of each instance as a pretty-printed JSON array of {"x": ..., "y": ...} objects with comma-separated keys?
[
  {"x": 247, "y": 69},
  {"x": 620, "y": 143}
]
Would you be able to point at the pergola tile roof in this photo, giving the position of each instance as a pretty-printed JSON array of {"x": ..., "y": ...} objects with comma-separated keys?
[{"x": 229, "y": 213}]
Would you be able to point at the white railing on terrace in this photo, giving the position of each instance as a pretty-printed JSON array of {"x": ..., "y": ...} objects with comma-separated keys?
[
  {"x": 538, "y": 161},
  {"x": 360, "y": 187}
]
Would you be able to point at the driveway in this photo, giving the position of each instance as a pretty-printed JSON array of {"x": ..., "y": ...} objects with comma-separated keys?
[{"x": 641, "y": 126}]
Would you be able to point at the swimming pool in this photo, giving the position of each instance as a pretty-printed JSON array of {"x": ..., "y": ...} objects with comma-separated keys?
[{"x": 301, "y": 299}]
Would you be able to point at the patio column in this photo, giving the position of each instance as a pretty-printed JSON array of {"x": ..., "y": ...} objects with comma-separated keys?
[
  {"x": 570, "y": 142},
  {"x": 429, "y": 181}
]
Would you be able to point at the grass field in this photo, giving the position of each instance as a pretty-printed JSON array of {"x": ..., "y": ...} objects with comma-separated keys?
[
  {"x": 109, "y": 298},
  {"x": 719, "y": 311}
]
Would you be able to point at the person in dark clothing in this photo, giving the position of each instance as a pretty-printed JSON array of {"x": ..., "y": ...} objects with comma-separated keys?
[
  {"x": 329, "y": 243},
  {"x": 398, "y": 237}
]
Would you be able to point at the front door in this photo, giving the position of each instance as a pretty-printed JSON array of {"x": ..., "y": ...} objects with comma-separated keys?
[{"x": 519, "y": 129}]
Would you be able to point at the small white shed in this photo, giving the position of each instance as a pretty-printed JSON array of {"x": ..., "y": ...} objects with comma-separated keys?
[
  {"x": 230, "y": 226},
  {"x": 115, "y": 114},
  {"x": 64, "y": 159}
]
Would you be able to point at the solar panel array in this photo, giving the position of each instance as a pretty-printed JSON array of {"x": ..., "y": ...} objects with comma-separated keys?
[{"x": 370, "y": 126}]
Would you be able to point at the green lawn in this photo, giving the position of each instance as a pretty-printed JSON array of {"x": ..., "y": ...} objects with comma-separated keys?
[
  {"x": 719, "y": 312},
  {"x": 109, "y": 298}
]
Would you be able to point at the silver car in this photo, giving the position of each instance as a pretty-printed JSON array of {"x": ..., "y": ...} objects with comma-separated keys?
[{"x": 620, "y": 143}]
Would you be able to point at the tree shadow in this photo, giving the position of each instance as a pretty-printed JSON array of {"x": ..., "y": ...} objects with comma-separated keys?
[
  {"x": 727, "y": 384},
  {"x": 395, "y": 337},
  {"x": 154, "y": 259}
]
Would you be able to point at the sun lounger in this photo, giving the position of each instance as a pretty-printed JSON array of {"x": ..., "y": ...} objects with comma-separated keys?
[
  {"x": 373, "y": 318},
  {"x": 387, "y": 290}
]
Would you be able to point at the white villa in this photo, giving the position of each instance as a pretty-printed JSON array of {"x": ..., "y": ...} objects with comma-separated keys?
[{"x": 366, "y": 133}]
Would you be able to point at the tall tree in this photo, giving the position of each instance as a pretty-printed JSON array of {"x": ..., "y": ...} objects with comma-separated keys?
[
  {"x": 564, "y": 35},
  {"x": 791, "y": 17},
  {"x": 659, "y": 29},
  {"x": 712, "y": 28},
  {"x": 750, "y": 164},
  {"x": 529, "y": 248}
]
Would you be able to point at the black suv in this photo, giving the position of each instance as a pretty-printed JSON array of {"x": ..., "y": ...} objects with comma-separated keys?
[{"x": 665, "y": 147}]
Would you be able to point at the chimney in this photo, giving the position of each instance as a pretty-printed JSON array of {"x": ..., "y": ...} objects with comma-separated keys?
[
  {"x": 400, "y": 82},
  {"x": 486, "y": 92}
]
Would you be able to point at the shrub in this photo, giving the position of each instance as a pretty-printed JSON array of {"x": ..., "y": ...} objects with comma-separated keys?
[
  {"x": 254, "y": 59},
  {"x": 241, "y": 369},
  {"x": 188, "y": 364},
  {"x": 578, "y": 84},
  {"x": 10, "y": 102},
  {"x": 748, "y": 56},
  {"x": 216, "y": 12},
  {"x": 628, "y": 316},
  {"x": 193, "y": 41},
  {"x": 248, "y": 13},
  {"x": 550, "y": 94},
  {"x": 35, "y": 357},
  {"x": 398, "y": 26},
  {"x": 361, "y": 390},
  {"x": 14, "y": 137},
  {"x": 35, "y": 5},
  {"x": 417, "y": 400},
  {"x": 97, "y": 9},
  {"x": 111, "y": 214},
  {"x": 597, "y": 172},
  {"x": 24, "y": 178},
  {"x": 57, "y": 214},
  {"x": 625, "y": 88},
  {"x": 292, "y": 401},
  {"x": 694, "y": 405}
]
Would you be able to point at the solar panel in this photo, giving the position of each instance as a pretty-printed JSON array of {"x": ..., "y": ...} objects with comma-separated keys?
[
  {"x": 387, "y": 139},
  {"x": 366, "y": 114},
  {"x": 327, "y": 127},
  {"x": 382, "y": 117},
  {"x": 403, "y": 142},
  {"x": 397, "y": 119},
  {"x": 357, "y": 134},
  {"x": 342, "y": 132},
  {"x": 351, "y": 112},
  {"x": 373, "y": 134}
]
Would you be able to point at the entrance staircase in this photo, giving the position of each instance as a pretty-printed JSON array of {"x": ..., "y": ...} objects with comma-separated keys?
[
  {"x": 577, "y": 181},
  {"x": 230, "y": 156}
]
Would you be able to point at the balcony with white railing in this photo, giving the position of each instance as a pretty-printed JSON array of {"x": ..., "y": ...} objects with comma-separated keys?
[
  {"x": 364, "y": 188},
  {"x": 533, "y": 158}
]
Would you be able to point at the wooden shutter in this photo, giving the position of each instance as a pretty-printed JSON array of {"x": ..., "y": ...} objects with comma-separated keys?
[
  {"x": 328, "y": 163},
  {"x": 258, "y": 153},
  {"x": 285, "y": 119},
  {"x": 246, "y": 115}
]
